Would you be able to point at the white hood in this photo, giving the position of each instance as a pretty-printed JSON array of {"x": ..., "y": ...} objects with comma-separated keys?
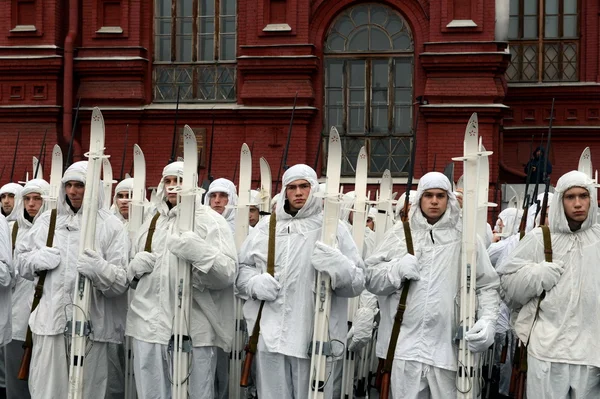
[
  {"x": 557, "y": 219},
  {"x": 313, "y": 204},
  {"x": 13, "y": 188},
  {"x": 224, "y": 186}
]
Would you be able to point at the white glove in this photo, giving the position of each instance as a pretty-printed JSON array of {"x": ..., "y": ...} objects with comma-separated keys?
[
  {"x": 406, "y": 268},
  {"x": 193, "y": 249},
  {"x": 362, "y": 329},
  {"x": 481, "y": 336},
  {"x": 263, "y": 287},
  {"x": 47, "y": 258},
  {"x": 332, "y": 261},
  {"x": 142, "y": 263},
  {"x": 91, "y": 265},
  {"x": 549, "y": 274}
]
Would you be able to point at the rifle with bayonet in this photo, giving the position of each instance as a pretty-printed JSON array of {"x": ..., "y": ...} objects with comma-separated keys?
[
  {"x": 37, "y": 167},
  {"x": 175, "y": 135},
  {"x": 124, "y": 153},
  {"x": 387, "y": 366},
  {"x": 284, "y": 165},
  {"x": 209, "y": 176},
  {"x": 12, "y": 171},
  {"x": 526, "y": 199},
  {"x": 70, "y": 151}
]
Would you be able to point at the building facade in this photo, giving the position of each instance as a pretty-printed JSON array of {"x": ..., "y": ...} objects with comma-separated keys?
[{"x": 378, "y": 71}]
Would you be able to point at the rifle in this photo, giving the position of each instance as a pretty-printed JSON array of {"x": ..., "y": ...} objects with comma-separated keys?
[
  {"x": 70, "y": 151},
  {"x": 283, "y": 164},
  {"x": 12, "y": 171},
  {"x": 124, "y": 152},
  {"x": 545, "y": 175},
  {"x": 37, "y": 167},
  {"x": 175, "y": 135},
  {"x": 526, "y": 199},
  {"x": 387, "y": 366},
  {"x": 319, "y": 145}
]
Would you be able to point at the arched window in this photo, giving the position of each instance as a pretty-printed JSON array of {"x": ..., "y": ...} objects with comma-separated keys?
[{"x": 369, "y": 53}]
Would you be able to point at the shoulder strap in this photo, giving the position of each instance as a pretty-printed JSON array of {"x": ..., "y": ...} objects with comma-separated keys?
[
  {"x": 15, "y": 231},
  {"x": 547, "y": 243},
  {"x": 148, "y": 246}
]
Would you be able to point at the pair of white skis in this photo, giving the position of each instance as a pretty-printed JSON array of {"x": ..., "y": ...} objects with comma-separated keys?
[{"x": 474, "y": 219}]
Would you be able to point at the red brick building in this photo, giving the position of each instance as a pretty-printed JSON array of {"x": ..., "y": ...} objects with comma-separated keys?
[{"x": 357, "y": 65}]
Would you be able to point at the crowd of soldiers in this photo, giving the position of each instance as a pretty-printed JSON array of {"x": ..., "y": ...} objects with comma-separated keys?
[{"x": 512, "y": 273}]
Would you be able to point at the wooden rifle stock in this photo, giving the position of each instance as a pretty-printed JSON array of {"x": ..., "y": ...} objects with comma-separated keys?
[
  {"x": 253, "y": 341},
  {"x": 37, "y": 295}
]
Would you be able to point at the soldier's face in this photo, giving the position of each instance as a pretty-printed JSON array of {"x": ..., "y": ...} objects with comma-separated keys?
[
  {"x": 8, "y": 202},
  {"x": 218, "y": 202},
  {"x": 297, "y": 193},
  {"x": 254, "y": 215},
  {"x": 433, "y": 204},
  {"x": 32, "y": 202},
  {"x": 171, "y": 182},
  {"x": 123, "y": 203},
  {"x": 576, "y": 202},
  {"x": 75, "y": 190}
]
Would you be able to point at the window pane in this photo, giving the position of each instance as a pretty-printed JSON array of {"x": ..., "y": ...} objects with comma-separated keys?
[
  {"x": 207, "y": 25},
  {"x": 206, "y": 52},
  {"x": 228, "y": 7},
  {"x": 163, "y": 51},
  {"x": 530, "y": 27},
  {"x": 513, "y": 7},
  {"x": 403, "y": 120},
  {"x": 334, "y": 117},
  {"x": 378, "y": 15},
  {"x": 360, "y": 15},
  {"x": 357, "y": 97},
  {"x": 513, "y": 28},
  {"x": 207, "y": 7},
  {"x": 357, "y": 74},
  {"x": 359, "y": 41},
  {"x": 227, "y": 25},
  {"x": 570, "y": 26},
  {"x": 551, "y": 6},
  {"x": 184, "y": 8},
  {"x": 184, "y": 48},
  {"x": 335, "y": 42},
  {"x": 334, "y": 70},
  {"x": 163, "y": 8},
  {"x": 403, "y": 72},
  {"x": 570, "y": 6},
  {"x": 551, "y": 27},
  {"x": 380, "y": 71},
  {"x": 357, "y": 120},
  {"x": 227, "y": 47},
  {"x": 163, "y": 26},
  {"x": 334, "y": 97},
  {"x": 403, "y": 96},
  {"x": 379, "y": 40},
  {"x": 530, "y": 7},
  {"x": 394, "y": 24},
  {"x": 403, "y": 42},
  {"x": 184, "y": 26},
  {"x": 380, "y": 119}
]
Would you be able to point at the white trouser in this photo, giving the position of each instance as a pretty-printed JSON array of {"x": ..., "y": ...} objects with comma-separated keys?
[
  {"x": 116, "y": 371},
  {"x": 15, "y": 388},
  {"x": 415, "y": 380},
  {"x": 49, "y": 371},
  {"x": 152, "y": 374},
  {"x": 549, "y": 380},
  {"x": 286, "y": 377},
  {"x": 222, "y": 375}
]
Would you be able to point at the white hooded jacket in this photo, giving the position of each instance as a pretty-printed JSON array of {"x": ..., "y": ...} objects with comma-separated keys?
[
  {"x": 22, "y": 295},
  {"x": 108, "y": 304},
  {"x": 431, "y": 317},
  {"x": 286, "y": 324},
  {"x": 150, "y": 316},
  {"x": 15, "y": 189},
  {"x": 567, "y": 327}
]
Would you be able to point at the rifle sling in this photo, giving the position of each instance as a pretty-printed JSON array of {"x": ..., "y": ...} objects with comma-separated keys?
[
  {"x": 39, "y": 287},
  {"x": 15, "y": 231},
  {"x": 547, "y": 258},
  {"x": 253, "y": 341},
  {"x": 387, "y": 367}
]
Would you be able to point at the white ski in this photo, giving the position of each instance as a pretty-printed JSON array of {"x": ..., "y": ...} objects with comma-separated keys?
[
  {"x": 241, "y": 232},
  {"x": 384, "y": 206},
  {"x": 80, "y": 326},
  {"x": 266, "y": 184},
  {"x": 56, "y": 173},
  {"x": 472, "y": 204},
  {"x": 585, "y": 163},
  {"x": 359, "y": 220},
  {"x": 38, "y": 172},
  {"x": 331, "y": 212},
  {"x": 483, "y": 187},
  {"x": 136, "y": 218},
  {"x": 107, "y": 182},
  {"x": 181, "y": 342}
]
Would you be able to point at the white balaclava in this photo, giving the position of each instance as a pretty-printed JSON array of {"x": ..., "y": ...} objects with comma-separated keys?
[
  {"x": 223, "y": 186},
  {"x": 172, "y": 169},
  {"x": 39, "y": 186},
  {"x": 313, "y": 204},
  {"x": 76, "y": 172},
  {"x": 124, "y": 185},
  {"x": 15, "y": 189},
  {"x": 557, "y": 218},
  {"x": 533, "y": 214},
  {"x": 433, "y": 180},
  {"x": 511, "y": 218}
]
